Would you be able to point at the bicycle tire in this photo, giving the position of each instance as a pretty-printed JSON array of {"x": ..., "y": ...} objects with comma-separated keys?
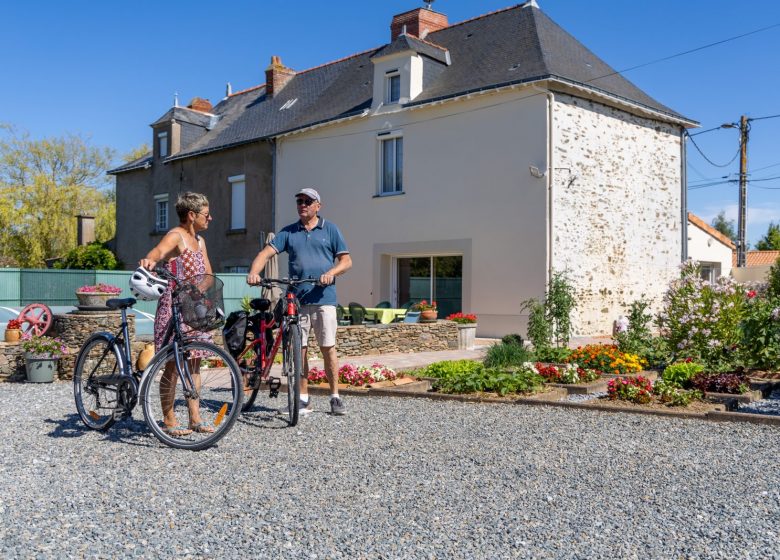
[
  {"x": 221, "y": 396},
  {"x": 249, "y": 397},
  {"x": 291, "y": 366},
  {"x": 94, "y": 403}
]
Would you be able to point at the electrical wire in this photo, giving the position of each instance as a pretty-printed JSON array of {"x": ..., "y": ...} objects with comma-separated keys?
[{"x": 708, "y": 159}]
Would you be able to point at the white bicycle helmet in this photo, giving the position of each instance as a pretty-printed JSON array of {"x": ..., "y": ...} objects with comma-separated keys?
[{"x": 144, "y": 285}]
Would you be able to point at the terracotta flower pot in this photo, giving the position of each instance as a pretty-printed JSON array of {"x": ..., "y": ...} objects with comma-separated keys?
[
  {"x": 13, "y": 335},
  {"x": 429, "y": 315}
]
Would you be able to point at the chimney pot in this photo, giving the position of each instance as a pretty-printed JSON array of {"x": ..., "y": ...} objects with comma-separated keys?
[
  {"x": 277, "y": 75},
  {"x": 201, "y": 105},
  {"x": 418, "y": 22}
]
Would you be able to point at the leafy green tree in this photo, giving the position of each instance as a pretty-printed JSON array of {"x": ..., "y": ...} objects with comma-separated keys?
[
  {"x": 770, "y": 241},
  {"x": 726, "y": 227},
  {"x": 137, "y": 153},
  {"x": 44, "y": 185}
]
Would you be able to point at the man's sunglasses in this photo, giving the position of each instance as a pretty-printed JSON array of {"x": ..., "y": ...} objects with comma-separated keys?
[{"x": 304, "y": 201}]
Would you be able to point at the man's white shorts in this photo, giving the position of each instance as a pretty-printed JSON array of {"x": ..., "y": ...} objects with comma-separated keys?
[{"x": 323, "y": 319}]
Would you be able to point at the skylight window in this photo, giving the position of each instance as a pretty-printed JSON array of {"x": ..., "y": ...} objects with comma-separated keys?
[{"x": 289, "y": 103}]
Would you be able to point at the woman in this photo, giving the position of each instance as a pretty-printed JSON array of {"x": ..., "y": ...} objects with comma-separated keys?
[{"x": 185, "y": 251}]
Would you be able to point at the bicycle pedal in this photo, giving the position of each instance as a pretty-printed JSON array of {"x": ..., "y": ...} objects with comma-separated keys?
[
  {"x": 273, "y": 385},
  {"x": 120, "y": 414}
]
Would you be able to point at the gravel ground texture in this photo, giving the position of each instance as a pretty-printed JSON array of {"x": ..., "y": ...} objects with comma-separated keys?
[{"x": 395, "y": 478}]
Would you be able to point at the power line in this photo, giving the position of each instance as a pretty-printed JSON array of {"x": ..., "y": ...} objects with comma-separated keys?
[
  {"x": 692, "y": 50},
  {"x": 708, "y": 159}
]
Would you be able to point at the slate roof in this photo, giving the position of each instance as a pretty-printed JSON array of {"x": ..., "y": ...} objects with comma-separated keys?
[{"x": 511, "y": 46}]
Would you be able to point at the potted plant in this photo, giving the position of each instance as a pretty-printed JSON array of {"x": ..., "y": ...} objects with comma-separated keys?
[
  {"x": 467, "y": 329},
  {"x": 96, "y": 295},
  {"x": 428, "y": 311},
  {"x": 13, "y": 331},
  {"x": 40, "y": 355}
]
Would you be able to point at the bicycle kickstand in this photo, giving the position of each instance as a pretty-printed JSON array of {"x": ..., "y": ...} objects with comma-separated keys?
[{"x": 273, "y": 385}]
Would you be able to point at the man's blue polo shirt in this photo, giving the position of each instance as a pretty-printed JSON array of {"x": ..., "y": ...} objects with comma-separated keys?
[{"x": 311, "y": 254}]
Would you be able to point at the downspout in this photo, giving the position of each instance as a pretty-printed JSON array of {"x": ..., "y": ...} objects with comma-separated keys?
[
  {"x": 272, "y": 141},
  {"x": 684, "y": 193},
  {"x": 549, "y": 176}
]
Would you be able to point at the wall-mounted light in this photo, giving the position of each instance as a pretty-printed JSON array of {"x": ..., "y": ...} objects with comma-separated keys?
[{"x": 536, "y": 173}]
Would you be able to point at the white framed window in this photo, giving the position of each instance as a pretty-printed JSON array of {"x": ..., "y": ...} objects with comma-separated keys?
[
  {"x": 391, "y": 156},
  {"x": 392, "y": 87},
  {"x": 161, "y": 212},
  {"x": 237, "y": 201},
  {"x": 162, "y": 144}
]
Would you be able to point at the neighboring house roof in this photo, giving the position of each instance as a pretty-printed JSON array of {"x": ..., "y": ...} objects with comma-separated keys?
[
  {"x": 140, "y": 163},
  {"x": 708, "y": 229},
  {"x": 516, "y": 45},
  {"x": 757, "y": 258}
]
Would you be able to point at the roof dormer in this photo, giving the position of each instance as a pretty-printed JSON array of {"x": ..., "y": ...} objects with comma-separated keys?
[{"x": 402, "y": 68}]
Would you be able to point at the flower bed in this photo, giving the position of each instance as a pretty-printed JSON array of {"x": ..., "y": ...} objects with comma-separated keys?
[{"x": 356, "y": 376}]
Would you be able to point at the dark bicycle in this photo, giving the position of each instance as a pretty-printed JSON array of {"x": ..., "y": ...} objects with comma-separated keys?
[
  {"x": 186, "y": 376},
  {"x": 256, "y": 358}
]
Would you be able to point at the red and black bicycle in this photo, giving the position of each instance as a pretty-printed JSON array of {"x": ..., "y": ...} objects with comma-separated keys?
[{"x": 256, "y": 358}]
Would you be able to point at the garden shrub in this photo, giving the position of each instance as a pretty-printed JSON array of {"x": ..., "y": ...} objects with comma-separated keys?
[
  {"x": 681, "y": 373},
  {"x": 637, "y": 338},
  {"x": 539, "y": 328},
  {"x": 503, "y": 355},
  {"x": 634, "y": 389},
  {"x": 549, "y": 321},
  {"x": 607, "y": 359},
  {"x": 701, "y": 319},
  {"x": 672, "y": 395},
  {"x": 773, "y": 282},
  {"x": 503, "y": 382},
  {"x": 513, "y": 338},
  {"x": 760, "y": 344},
  {"x": 450, "y": 368},
  {"x": 731, "y": 383},
  {"x": 552, "y": 355},
  {"x": 93, "y": 256}
]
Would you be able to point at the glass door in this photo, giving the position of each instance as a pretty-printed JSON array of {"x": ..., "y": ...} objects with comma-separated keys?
[{"x": 431, "y": 278}]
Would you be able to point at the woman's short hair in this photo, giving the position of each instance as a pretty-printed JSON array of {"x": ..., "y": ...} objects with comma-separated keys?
[{"x": 190, "y": 201}]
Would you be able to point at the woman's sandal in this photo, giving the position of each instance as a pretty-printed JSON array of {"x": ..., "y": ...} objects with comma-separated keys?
[
  {"x": 176, "y": 431},
  {"x": 201, "y": 428}
]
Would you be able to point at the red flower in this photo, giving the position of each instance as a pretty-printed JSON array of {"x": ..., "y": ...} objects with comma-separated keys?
[{"x": 751, "y": 294}]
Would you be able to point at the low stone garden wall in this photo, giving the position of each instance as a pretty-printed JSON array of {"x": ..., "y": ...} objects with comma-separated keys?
[
  {"x": 366, "y": 340},
  {"x": 73, "y": 328}
]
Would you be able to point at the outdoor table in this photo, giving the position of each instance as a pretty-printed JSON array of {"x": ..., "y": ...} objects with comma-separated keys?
[{"x": 385, "y": 314}]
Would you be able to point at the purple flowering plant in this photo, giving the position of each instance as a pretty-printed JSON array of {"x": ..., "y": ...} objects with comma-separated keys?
[{"x": 43, "y": 346}]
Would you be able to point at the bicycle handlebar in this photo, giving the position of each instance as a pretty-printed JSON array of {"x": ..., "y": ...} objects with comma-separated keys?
[{"x": 269, "y": 282}]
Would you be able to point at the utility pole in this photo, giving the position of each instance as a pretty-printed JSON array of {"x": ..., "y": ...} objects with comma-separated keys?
[{"x": 744, "y": 128}]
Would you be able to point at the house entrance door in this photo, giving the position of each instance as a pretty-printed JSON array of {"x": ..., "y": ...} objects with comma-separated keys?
[{"x": 431, "y": 278}]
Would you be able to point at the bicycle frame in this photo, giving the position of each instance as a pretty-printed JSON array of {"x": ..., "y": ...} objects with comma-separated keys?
[{"x": 263, "y": 356}]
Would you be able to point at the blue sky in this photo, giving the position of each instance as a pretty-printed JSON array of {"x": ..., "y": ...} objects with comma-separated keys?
[{"x": 108, "y": 69}]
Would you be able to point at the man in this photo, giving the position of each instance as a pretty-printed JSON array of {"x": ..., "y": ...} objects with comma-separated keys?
[{"x": 316, "y": 249}]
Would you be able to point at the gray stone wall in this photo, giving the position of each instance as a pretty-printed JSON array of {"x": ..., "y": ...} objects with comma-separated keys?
[{"x": 395, "y": 337}]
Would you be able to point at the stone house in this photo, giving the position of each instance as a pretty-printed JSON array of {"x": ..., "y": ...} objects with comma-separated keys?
[{"x": 464, "y": 163}]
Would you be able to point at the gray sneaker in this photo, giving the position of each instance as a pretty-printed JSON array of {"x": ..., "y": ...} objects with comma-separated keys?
[
  {"x": 305, "y": 408},
  {"x": 337, "y": 406}
]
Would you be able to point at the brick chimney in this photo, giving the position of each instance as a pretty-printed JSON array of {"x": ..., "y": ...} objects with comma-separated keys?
[
  {"x": 276, "y": 76},
  {"x": 201, "y": 105},
  {"x": 418, "y": 22}
]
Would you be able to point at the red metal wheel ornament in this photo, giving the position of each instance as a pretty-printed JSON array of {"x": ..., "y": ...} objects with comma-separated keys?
[{"x": 36, "y": 318}]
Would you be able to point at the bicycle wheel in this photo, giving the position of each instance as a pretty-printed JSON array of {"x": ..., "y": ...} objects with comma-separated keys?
[
  {"x": 252, "y": 380},
  {"x": 292, "y": 363},
  {"x": 202, "y": 422},
  {"x": 98, "y": 361}
]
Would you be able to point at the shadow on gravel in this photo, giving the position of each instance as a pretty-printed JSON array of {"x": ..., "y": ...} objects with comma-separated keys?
[
  {"x": 261, "y": 416},
  {"x": 130, "y": 431}
]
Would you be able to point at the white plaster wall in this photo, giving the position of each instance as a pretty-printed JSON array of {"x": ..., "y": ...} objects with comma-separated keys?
[
  {"x": 467, "y": 190},
  {"x": 705, "y": 248},
  {"x": 617, "y": 227},
  {"x": 410, "y": 70}
]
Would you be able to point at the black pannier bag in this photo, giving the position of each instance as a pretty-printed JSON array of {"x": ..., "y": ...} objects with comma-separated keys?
[{"x": 234, "y": 332}]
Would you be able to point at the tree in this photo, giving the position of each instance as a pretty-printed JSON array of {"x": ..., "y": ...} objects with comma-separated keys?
[
  {"x": 137, "y": 153},
  {"x": 44, "y": 185},
  {"x": 726, "y": 227},
  {"x": 770, "y": 241}
]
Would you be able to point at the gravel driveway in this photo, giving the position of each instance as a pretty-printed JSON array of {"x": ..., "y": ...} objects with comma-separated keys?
[{"x": 396, "y": 478}]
